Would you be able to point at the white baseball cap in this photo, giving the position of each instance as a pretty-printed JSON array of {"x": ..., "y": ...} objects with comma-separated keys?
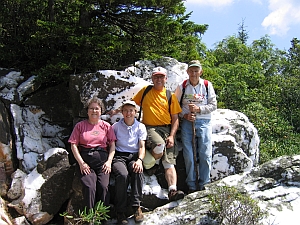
[
  {"x": 128, "y": 102},
  {"x": 159, "y": 71}
]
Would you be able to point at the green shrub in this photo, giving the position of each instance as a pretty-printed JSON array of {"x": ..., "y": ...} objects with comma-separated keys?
[
  {"x": 229, "y": 206},
  {"x": 92, "y": 216},
  {"x": 277, "y": 136}
]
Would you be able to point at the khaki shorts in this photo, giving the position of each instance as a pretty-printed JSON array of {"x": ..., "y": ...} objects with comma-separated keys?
[{"x": 158, "y": 135}]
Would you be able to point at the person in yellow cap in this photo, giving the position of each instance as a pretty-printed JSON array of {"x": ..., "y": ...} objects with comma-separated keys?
[{"x": 127, "y": 164}]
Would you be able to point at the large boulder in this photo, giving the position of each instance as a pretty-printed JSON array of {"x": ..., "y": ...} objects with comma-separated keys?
[
  {"x": 40, "y": 194},
  {"x": 7, "y": 162},
  {"x": 42, "y": 119},
  {"x": 235, "y": 144}
]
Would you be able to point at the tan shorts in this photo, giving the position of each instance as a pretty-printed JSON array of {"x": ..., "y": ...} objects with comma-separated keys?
[{"x": 158, "y": 135}]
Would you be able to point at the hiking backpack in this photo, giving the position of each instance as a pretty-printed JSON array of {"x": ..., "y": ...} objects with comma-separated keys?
[
  {"x": 183, "y": 89},
  {"x": 148, "y": 88}
]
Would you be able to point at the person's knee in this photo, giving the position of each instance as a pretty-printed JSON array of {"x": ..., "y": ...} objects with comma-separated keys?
[
  {"x": 156, "y": 156},
  {"x": 122, "y": 176},
  {"x": 119, "y": 170},
  {"x": 167, "y": 165},
  {"x": 159, "y": 149}
]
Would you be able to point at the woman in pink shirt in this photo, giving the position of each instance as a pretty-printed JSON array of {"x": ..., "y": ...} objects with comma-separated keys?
[{"x": 93, "y": 145}]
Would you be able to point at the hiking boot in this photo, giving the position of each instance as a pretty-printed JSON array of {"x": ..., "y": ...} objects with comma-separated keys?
[
  {"x": 202, "y": 188},
  {"x": 121, "y": 218},
  {"x": 138, "y": 215},
  {"x": 175, "y": 195}
]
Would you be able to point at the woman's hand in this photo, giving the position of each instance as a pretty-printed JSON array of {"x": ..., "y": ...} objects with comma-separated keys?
[
  {"x": 84, "y": 168},
  {"x": 106, "y": 168},
  {"x": 138, "y": 166}
]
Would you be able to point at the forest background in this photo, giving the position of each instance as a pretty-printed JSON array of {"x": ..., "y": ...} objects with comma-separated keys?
[{"x": 56, "y": 38}]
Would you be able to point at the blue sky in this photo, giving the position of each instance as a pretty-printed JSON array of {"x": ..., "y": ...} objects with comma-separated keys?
[{"x": 280, "y": 19}]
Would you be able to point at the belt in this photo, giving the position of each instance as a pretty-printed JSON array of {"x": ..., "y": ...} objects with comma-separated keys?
[
  {"x": 122, "y": 153},
  {"x": 98, "y": 148},
  {"x": 166, "y": 125}
]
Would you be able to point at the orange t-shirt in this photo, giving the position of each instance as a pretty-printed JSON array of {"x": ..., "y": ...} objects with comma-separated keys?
[{"x": 156, "y": 107}]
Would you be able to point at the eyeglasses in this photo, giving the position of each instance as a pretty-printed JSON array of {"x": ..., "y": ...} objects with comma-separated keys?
[
  {"x": 158, "y": 77},
  {"x": 96, "y": 109},
  {"x": 128, "y": 110}
]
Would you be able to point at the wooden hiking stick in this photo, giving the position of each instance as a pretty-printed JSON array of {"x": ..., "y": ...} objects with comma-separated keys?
[{"x": 195, "y": 156}]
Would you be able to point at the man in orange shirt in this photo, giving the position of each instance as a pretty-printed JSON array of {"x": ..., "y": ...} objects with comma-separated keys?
[{"x": 162, "y": 122}]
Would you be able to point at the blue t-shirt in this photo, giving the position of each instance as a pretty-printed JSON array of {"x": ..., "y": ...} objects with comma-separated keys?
[{"x": 128, "y": 137}]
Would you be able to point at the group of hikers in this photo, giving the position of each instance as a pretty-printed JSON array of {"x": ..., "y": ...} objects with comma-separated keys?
[{"x": 101, "y": 149}]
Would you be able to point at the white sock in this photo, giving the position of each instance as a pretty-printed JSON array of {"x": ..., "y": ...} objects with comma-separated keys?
[{"x": 173, "y": 187}]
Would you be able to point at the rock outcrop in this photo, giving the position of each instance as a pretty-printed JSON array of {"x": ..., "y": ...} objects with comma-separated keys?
[
  {"x": 40, "y": 194},
  {"x": 35, "y": 123},
  {"x": 274, "y": 184}
]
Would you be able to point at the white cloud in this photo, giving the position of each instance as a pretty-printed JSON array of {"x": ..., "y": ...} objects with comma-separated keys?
[
  {"x": 212, "y": 3},
  {"x": 284, "y": 14}
]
